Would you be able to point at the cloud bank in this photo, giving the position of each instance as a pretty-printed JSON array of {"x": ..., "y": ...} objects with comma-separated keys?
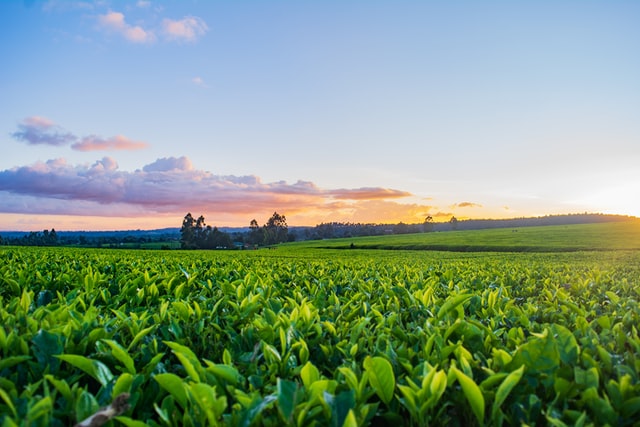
[{"x": 172, "y": 186}]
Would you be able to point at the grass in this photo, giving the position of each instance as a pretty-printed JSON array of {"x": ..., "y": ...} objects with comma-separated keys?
[{"x": 557, "y": 238}]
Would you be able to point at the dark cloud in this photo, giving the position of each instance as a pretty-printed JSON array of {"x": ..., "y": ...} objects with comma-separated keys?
[{"x": 42, "y": 131}]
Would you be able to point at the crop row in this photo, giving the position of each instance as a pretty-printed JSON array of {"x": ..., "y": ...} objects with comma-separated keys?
[{"x": 342, "y": 339}]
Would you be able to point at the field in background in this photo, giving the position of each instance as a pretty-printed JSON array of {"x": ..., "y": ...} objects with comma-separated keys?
[
  {"x": 560, "y": 238},
  {"x": 305, "y": 335}
]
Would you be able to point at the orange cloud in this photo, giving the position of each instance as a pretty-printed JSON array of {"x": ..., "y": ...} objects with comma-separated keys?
[
  {"x": 467, "y": 205},
  {"x": 368, "y": 193}
]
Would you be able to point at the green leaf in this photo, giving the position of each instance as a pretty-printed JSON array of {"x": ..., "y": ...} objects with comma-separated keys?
[
  {"x": 224, "y": 372},
  {"x": 567, "y": 344},
  {"x": 9, "y": 402},
  {"x": 139, "y": 336},
  {"x": 8, "y": 362},
  {"x": 309, "y": 374},
  {"x": 287, "y": 393},
  {"x": 631, "y": 407},
  {"x": 350, "y": 420},
  {"x": 381, "y": 377},
  {"x": 40, "y": 409},
  {"x": 122, "y": 385},
  {"x": 96, "y": 369},
  {"x": 452, "y": 303},
  {"x": 438, "y": 385},
  {"x": 130, "y": 422},
  {"x": 472, "y": 392},
  {"x": 122, "y": 356},
  {"x": 188, "y": 359},
  {"x": 540, "y": 354},
  {"x": 45, "y": 345},
  {"x": 61, "y": 386},
  {"x": 174, "y": 385},
  {"x": 86, "y": 406},
  {"x": 505, "y": 388},
  {"x": 255, "y": 408},
  {"x": 340, "y": 406},
  {"x": 205, "y": 396}
]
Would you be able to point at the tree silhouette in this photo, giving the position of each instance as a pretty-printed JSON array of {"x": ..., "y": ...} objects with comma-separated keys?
[{"x": 276, "y": 229}]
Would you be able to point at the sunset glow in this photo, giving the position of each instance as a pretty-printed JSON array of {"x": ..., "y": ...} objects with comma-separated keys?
[{"x": 128, "y": 115}]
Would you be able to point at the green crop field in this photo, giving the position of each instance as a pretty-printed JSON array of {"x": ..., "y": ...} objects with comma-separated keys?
[
  {"x": 565, "y": 238},
  {"x": 534, "y": 327}
]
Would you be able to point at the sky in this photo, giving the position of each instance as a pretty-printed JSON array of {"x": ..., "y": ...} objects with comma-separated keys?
[{"x": 129, "y": 114}]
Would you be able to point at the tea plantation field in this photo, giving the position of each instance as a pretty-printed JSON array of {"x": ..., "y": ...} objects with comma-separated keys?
[{"x": 304, "y": 335}]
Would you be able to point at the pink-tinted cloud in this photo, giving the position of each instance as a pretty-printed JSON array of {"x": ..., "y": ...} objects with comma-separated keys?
[
  {"x": 115, "y": 22},
  {"x": 172, "y": 186},
  {"x": 38, "y": 130},
  {"x": 187, "y": 29},
  {"x": 118, "y": 142}
]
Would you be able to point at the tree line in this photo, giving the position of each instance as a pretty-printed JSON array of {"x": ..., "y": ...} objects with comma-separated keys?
[
  {"x": 196, "y": 234},
  {"x": 34, "y": 238}
]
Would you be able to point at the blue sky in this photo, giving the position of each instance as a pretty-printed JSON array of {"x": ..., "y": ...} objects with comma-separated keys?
[{"x": 128, "y": 114}]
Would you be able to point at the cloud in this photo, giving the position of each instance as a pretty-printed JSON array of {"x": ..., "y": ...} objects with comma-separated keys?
[
  {"x": 115, "y": 22},
  {"x": 171, "y": 186},
  {"x": 168, "y": 164},
  {"x": 199, "y": 82},
  {"x": 368, "y": 193},
  {"x": 467, "y": 205},
  {"x": 38, "y": 130},
  {"x": 118, "y": 142},
  {"x": 187, "y": 29}
]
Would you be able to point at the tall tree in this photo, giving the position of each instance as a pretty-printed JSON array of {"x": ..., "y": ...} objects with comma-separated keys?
[
  {"x": 256, "y": 235},
  {"x": 201, "y": 232},
  {"x": 453, "y": 222},
  {"x": 276, "y": 229},
  {"x": 187, "y": 232},
  {"x": 428, "y": 224}
]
